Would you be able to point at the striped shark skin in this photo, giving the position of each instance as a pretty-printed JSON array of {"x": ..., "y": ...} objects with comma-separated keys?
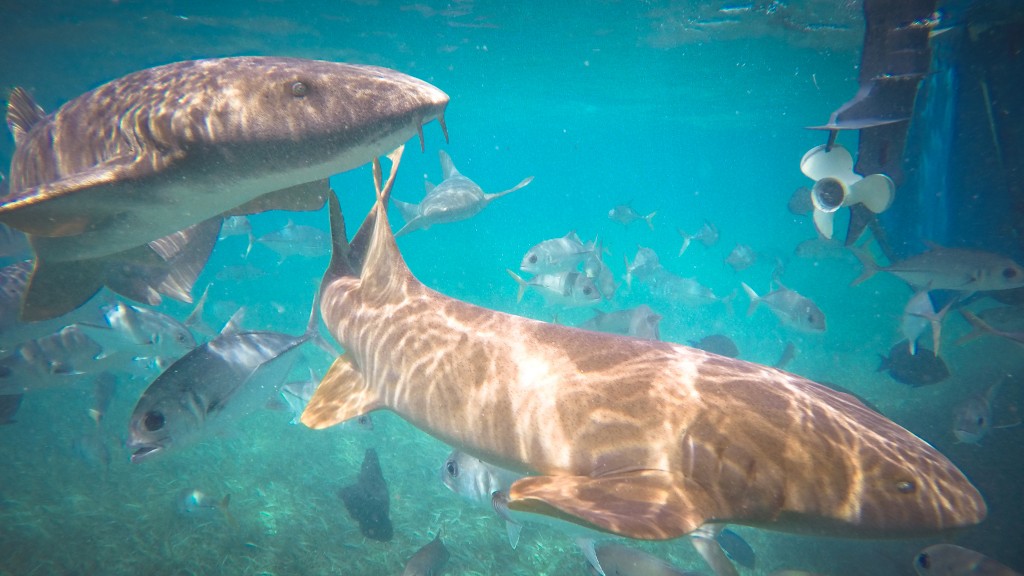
[
  {"x": 638, "y": 438},
  {"x": 154, "y": 152}
]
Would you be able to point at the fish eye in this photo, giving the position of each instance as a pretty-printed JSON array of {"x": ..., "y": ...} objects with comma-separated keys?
[
  {"x": 981, "y": 420},
  {"x": 153, "y": 421},
  {"x": 924, "y": 561},
  {"x": 1009, "y": 273},
  {"x": 452, "y": 468},
  {"x": 587, "y": 291},
  {"x": 299, "y": 89},
  {"x": 181, "y": 338},
  {"x": 532, "y": 259}
]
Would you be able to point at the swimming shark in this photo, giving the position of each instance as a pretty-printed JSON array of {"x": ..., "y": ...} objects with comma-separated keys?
[
  {"x": 161, "y": 149},
  {"x": 639, "y": 438},
  {"x": 455, "y": 198}
]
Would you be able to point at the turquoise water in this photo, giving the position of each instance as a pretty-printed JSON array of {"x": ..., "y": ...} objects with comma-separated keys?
[{"x": 681, "y": 109}]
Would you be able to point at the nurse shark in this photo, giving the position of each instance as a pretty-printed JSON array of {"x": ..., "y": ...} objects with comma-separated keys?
[
  {"x": 639, "y": 438},
  {"x": 159, "y": 150}
]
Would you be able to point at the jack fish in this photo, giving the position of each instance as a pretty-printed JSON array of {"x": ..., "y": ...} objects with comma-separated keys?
[
  {"x": 639, "y": 438},
  {"x": 159, "y": 150}
]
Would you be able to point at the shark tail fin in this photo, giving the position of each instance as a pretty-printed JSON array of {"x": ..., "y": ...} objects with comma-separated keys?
[{"x": 523, "y": 285}]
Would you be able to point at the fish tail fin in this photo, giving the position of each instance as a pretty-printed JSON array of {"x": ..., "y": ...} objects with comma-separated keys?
[
  {"x": 868, "y": 262},
  {"x": 60, "y": 287},
  {"x": 687, "y": 238},
  {"x": 523, "y": 284},
  {"x": 754, "y": 298},
  {"x": 650, "y": 219},
  {"x": 252, "y": 240},
  {"x": 980, "y": 327},
  {"x": 223, "y": 507}
]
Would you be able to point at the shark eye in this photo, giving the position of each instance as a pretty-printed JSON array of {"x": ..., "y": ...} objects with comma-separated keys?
[
  {"x": 906, "y": 487},
  {"x": 153, "y": 421},
  {"x": 299, "y": 89},
  {"x": 924, "y": 561},
  {"x": 1009, "y": 273},
  {"x": 452, "y": 468}
]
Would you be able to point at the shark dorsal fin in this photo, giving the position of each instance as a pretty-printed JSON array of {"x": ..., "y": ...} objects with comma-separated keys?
[
  {"x": 448, "y": 168},
  {"x": 22, "y": 113},
  {"x": 383, "y": 262}
]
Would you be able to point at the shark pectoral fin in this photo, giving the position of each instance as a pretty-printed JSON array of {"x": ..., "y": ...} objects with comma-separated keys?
[
  {"x": 341, "y": 395},
  {"x": 56, "y": 288},
  {"x": 305, "y": 197},
  {"x": 525, "y": 181},
  {"x": 645, "y": 504}
]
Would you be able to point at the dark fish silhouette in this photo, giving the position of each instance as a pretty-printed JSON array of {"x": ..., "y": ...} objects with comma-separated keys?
[
  {"x": 717, "y": 344},
  {"x": 915, "y": 370},
  {"x": 9, "y": 404},
  {"x": 367, "y": 500}
]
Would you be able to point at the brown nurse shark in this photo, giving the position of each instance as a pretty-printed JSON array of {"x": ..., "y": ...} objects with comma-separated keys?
[
  {"x": 639, "y": 438},
  {"x": 161, "y": 149}
]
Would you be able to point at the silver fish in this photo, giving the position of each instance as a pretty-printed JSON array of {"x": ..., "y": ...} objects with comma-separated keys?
[
  {"x": 297, "y": 240},
  {"x": 455, "y": 198},
  {"x": 103, "y": 388},
  {"x": 644, "y": 265},
  {"x": 564, "y": 289},
  {"x": 478, "y": 481},
  {"x": 741, "y": 257},
  {"x": 555, "y": 255},
  {"x": 54, "y": 360},
  {"x": 686, "y": 291},
  {"x": 972, "y": 418},
  {"x": 212, "y": 386},
  {"x": 194, "y": 503},
  {"x": 624, "y": 561},
  {"x": 637, "y": 438},
  {"x": 238, "y": 226},
  {"x": 625, "y": 215},
  {"x": 953, "y": 560},
  {"x": 790, "y": 307},
  {"x": 595, "y": 269},
  {"x": 943, "y": 268},
  {"x": 638, "y": 322},
  {"x": 153, "y": 333},
  {"x": 100, "y": 177},
  {"x": 707, "y": 235}
]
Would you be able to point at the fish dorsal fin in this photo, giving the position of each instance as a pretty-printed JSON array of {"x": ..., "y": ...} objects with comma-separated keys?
[
  {"x": 383, "y": 263},
  {"x": 448, "y": 168},
  {"x": 22, "y": 113},
  {"x": 234, "y": 324}
]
